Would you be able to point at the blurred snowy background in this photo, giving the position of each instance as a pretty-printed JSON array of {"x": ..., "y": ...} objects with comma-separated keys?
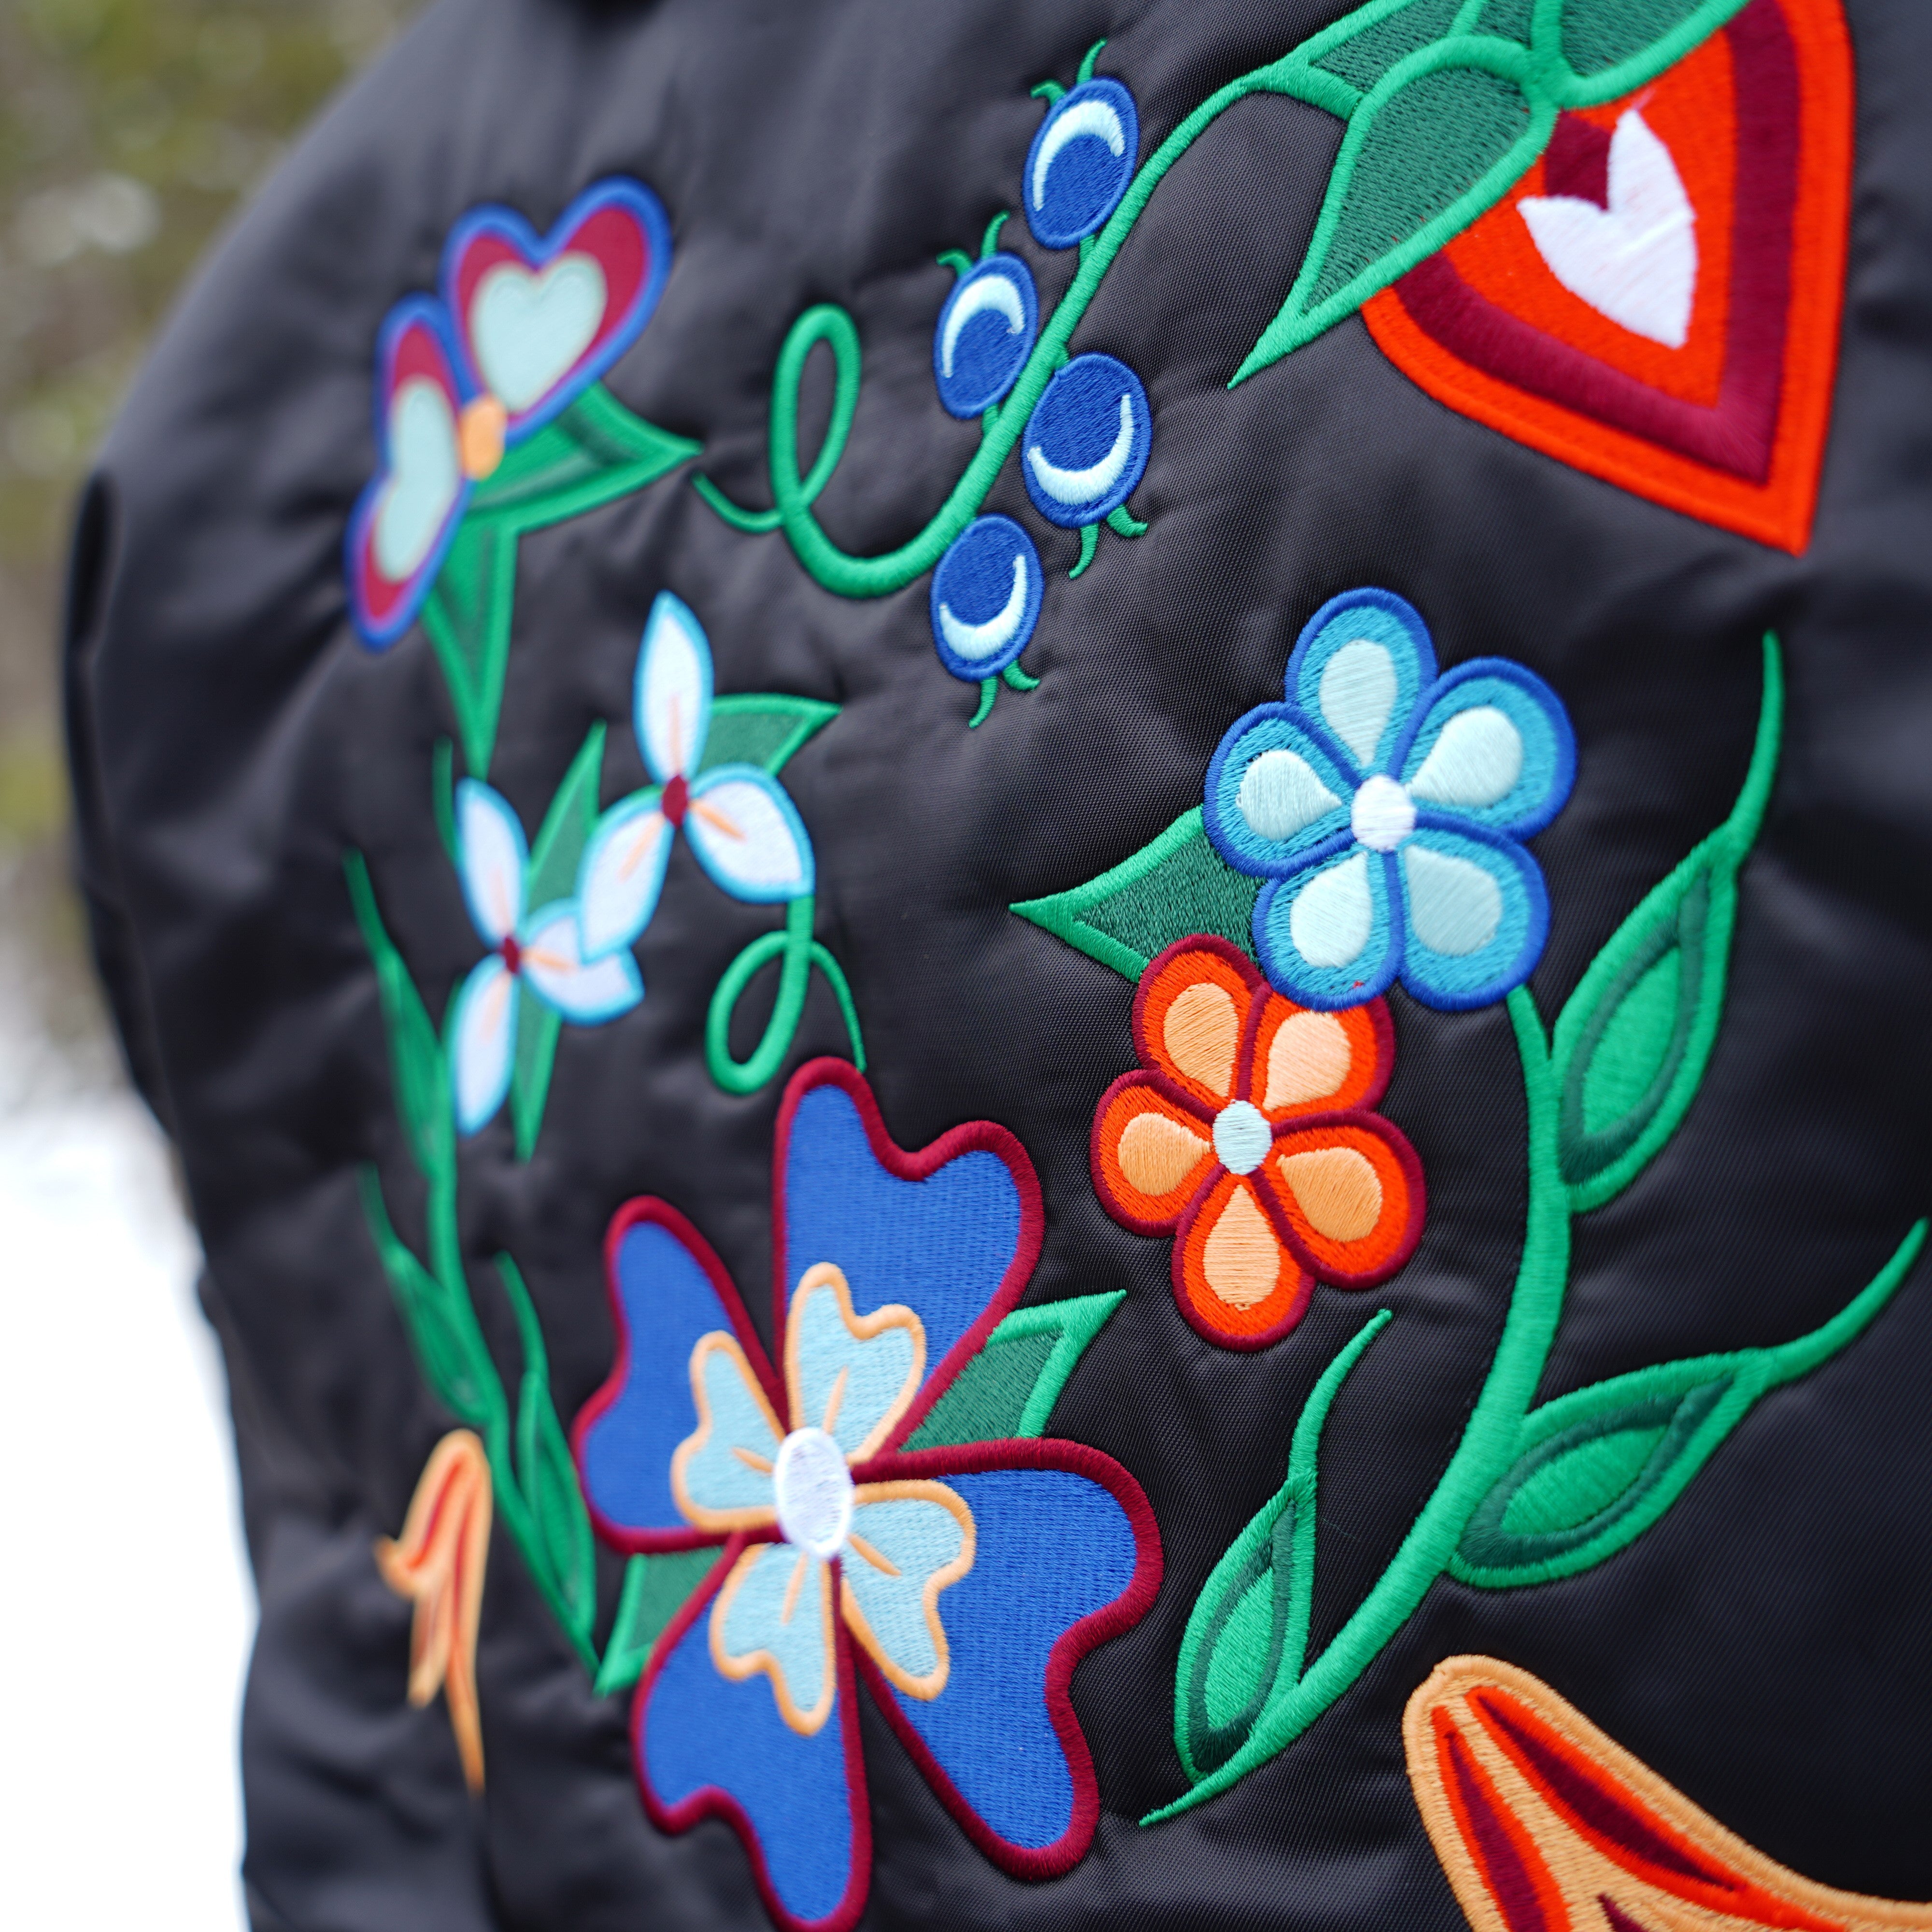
[{"x": 130, "y": 130}]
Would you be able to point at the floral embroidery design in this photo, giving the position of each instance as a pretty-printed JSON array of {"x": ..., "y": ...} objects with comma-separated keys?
[
  {"x": 744, "y": 829},
  {"x": 539, "y": 950},
  {"x": 960, "y": 1584},
  {"x": 523, "y": 324},
  {"x": 1385, "y": 806},
  {"x": 1247, "y": 1135}
]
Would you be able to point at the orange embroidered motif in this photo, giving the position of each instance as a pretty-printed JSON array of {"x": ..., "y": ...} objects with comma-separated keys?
[
  {"x": 1544, "y": 1825},
  {"x": 438, "y": 1564}
]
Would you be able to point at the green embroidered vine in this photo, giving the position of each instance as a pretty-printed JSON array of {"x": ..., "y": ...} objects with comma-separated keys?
[{"x": 1445, "y": 110}]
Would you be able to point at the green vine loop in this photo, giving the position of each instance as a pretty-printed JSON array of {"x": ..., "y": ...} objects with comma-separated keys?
[{"x": 799, "y": 953}]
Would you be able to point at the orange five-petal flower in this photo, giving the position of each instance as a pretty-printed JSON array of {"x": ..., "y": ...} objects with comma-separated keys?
[{"x": 1246, "y": 1133}]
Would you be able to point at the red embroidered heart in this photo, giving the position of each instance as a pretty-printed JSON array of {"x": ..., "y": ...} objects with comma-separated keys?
[
  {"x": 1726, "y": 422},
  {"x": 540, "y": 318}
]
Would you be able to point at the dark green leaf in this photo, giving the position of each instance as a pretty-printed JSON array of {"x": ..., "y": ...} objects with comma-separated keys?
[
  {"x": 467, "y": 616},
  {"x": 1008, "y": 1390},
  {"x": 1177, "y": 886},
  {"x": 539, "y": 1027},
  {"x": 763, "y": 729},
  {"x": 1598, "y": 34},
  {"x": 1594, "y": 1469},
  {"x": 1365, "y": 57},
  {"x": 655, "y": 1589},
  {"x": 415, "y": 1055},
  {"x": 1632, "y": 1044}
]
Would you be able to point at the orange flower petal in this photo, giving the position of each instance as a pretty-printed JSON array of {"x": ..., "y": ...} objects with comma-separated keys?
[
  {"x": 1315, "y": 1063},
  {"x": 1234, "y": 1277},
  {"x": 1150, "y": 1154},
  {"x": 1351, "y": 1194},
  {"x": 1191, "y": 1013}
]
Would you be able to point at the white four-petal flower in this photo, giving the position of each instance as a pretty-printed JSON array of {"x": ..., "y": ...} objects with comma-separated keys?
[
  {"x": 540, "y": 950},
  {"x": 746, "y": 831}
]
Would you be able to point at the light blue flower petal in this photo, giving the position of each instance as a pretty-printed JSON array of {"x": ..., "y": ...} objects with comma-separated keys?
[
  {"x": 1331, "y": 936},
  {"x": 1361, "y": 665},
  {"x": 872, "y": 1378},
  {"x": 493, "y": 859},
  {"x": 917, "y": 1536},
  {"x": 1277, "y": 798},
  {"x": 771, "y": 1615},
  {"x": 671, "y": 701},
  {"x": 748, "y": 836},
  {"x": 483, "y": 1044},
  {"x": 1476, "y": 915},
  {"x": 722, "y": 1472},
  {"x": 588, "y": 993},
  {"x": 1494, "y": 748},
  {"x": 621, "y": 874}
]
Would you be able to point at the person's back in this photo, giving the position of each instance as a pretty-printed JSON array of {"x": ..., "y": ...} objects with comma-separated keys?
[{"x": 1014, "y": 885}]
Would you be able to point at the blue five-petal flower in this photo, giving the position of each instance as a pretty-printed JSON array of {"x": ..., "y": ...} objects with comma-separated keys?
[{"x": 1386, "y": 805}]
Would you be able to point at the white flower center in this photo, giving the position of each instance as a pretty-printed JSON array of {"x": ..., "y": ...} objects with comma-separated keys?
[
  {"x": 1383, "y": 815},
  {"x": 814, "y": 1493},
  {"x": 1242, "y": 1137}
]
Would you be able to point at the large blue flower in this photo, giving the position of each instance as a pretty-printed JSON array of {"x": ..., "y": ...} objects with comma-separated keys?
[
  {"x": 959, "y": 1585},
  {"x": 1385, "y": 806}
]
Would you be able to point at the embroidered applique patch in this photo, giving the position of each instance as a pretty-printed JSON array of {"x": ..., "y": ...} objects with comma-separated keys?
[
  {"x": 1657, "y": 302},
  {"x": 1542, "y": 1824},
  {"x": 1248, "y": 1135},
  {"x": 438, "y": 1564},
  {"x": 845, "y": 1552}
]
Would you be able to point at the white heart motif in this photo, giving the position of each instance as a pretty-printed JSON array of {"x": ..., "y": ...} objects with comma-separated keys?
[
  {"x": 1636, "y": 260},
  {"x": 527, "y": 330},
  {"x": 425, "y": 473}
]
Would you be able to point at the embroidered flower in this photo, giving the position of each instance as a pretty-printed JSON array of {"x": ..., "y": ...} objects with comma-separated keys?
[
  {"x": 962, "y": 1585},
  {"x": 1248, "y": 1136},
  {"x": 1385, "y": 807},
  {"x": 744, "y": 829},
  {"x": 538, "y": 951},
  {"x": 523, "y": 324}
]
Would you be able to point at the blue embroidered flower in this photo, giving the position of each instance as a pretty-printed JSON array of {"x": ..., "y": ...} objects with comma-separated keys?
[
  {"x": 960, "y": 1584},
  {"x": 1385, "y": 806}
]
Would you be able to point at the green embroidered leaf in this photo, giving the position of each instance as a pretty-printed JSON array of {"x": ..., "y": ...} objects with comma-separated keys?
[
  {"x": 1594, "y": 1469},
  {"x": 1177, "y": 886},
  {"x": 566, "y": 831},
  {"x": 547, "y": 1474},
  {"x": 1008, "y": 1390},
  {"x": 1509, "y": 18},
  {"x": 595, "y": 452},
  {"x": 1599, "y": 34},
  {"x": 1631, "y": 1044},
  {"x": 415, "y": 1054},
  {"x": 1247, "y": 1633},
  {"x": 655, "y": 1589},
  {"x": 1366, "y": 56},
  {"x": 467, "y": 616},
  {"x": 454, "y": 1361},
  {"x": 762, "y": 729}
]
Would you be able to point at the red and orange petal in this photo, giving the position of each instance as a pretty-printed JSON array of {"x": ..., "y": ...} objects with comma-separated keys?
[
  {"x": 1314, "y": 1063},
  {"x": 1349, "y": 1195},
  {"x": 1191, "y": 1016},
  {"x": 1151, "y": 1154},
  {"x": 1234, "y": 1276}
]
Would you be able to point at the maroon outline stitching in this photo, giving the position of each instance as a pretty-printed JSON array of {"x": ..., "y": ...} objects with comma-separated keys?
[
  {"x": 648, "y": 1209},
  {"x": 970, "y": 1137},
  {"x": 1098, "y": 1626},
  {"x": 1739, "y": 434},
  {"x": 713, "y": 1800}
]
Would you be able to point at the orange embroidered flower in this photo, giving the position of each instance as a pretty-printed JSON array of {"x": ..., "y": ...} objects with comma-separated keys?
[{"x": 1247, "y": 1135}]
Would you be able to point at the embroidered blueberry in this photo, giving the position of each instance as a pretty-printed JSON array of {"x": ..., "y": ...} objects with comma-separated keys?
[
  {"x": 954, "y": 1587},
  {"x": 985, "y": 333},
  {"x": 1087, "y": 443},
  {"x": 1386, "y": 805},
  {"x": 1081, "y": 162},
  {"x": 985, "y": 598}
]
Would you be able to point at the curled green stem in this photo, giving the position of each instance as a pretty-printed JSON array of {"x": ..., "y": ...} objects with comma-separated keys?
[{"x": 798, "y": 952}]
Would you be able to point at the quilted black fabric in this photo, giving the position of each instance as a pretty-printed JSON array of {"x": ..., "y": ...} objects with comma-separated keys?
[{"x": 1763, "y": 1648}]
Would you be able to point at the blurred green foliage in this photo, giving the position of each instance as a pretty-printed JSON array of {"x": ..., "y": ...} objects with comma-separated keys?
[{"x": 129, "y": 131}]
